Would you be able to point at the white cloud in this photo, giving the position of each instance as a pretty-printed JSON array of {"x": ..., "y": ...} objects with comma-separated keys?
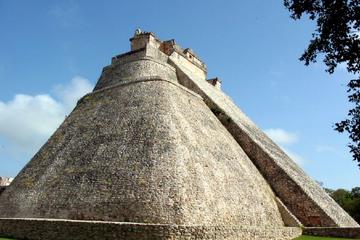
[
  {"x": 69, "y": 94},
  {"x": 324, "y": 148},
  {"x": 280, "y": 136},
  {"x": 284, "y": 138},
  {"x": 294, "y": 156},
  {"x": 27, "y": 121}
]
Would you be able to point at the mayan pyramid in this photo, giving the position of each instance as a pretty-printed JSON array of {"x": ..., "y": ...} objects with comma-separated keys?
[{"x": 157, "y": 151}]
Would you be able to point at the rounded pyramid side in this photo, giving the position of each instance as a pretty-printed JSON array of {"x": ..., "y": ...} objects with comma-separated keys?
[{"x": 146, "y": 151}]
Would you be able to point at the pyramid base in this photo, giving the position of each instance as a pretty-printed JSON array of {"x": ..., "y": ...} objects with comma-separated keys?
[
  {"x": 342, "y": 232},
  {"x": 58, "y": 229}
]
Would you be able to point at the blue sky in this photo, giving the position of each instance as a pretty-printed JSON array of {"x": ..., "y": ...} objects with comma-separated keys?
[{"x": 52, "y": 52}]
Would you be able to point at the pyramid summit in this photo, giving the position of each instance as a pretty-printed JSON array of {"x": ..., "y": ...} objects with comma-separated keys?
[{"x": 158, "y": 151}]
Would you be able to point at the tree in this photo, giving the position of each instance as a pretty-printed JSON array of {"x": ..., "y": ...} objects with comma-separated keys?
[
  {"x": 337, "y": 40},
  {"x": 349, "y": 201},
  {"x": 329, "y": 191},
  {"x": 342, "y": 197},
  {"x": 355, "y": 210},
  {"x": 355, "y": 192}
]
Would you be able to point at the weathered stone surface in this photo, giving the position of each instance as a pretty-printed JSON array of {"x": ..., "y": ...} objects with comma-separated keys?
[
  {"x": 289, "y": 219},
  {"x": 301, "y": 195},
  {"x": 45, "y": 229},
  {"x": 341, "y": 232},
  {"x": 144, "y": 62},
  {"x": 2, "y": 189},
  {"x": 148, "y": 152}
]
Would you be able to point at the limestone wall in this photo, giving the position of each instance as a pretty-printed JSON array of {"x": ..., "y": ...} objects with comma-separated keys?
[
  {"x": 139, "y": 64},
  {"x": 145, "y": 151},
  {"x": 346, "y": 232},
  {"x": 144, "y": 39},
  {"x": 301, "y": 195},
  {"x": 45, "y": 229}
]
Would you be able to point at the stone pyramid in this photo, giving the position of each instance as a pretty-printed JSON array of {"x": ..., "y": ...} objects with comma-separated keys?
[{"x": 156, "y": 151}]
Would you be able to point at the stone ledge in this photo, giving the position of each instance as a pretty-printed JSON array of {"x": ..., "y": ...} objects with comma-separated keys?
[
  {"x": 59, "y": 229},
  {"x": 129, "y": 81},
  {"x": 143, "y": 58},
  {"x": 344, "y": 232}
]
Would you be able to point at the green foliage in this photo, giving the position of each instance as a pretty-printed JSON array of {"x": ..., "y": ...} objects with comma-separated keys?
[
  {"x": 348, "y": 200},
  {"x": 337, "y": 39},
  {"x": 356, "y": 192},
  {"x": 341, "y": 196}
]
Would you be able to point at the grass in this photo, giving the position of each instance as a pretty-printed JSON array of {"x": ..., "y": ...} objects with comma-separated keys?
[{"x": 320, "y": 238}]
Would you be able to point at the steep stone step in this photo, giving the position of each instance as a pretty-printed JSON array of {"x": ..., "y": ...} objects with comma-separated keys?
[{"x": 302, "y": 195}]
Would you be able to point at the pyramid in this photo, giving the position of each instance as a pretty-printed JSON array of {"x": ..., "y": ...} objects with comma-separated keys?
[{"x": 157, "y": 151}]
